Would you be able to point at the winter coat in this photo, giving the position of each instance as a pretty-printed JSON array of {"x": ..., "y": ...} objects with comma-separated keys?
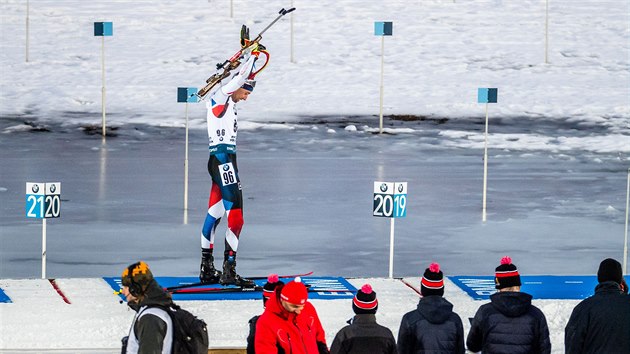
[
  {"x": 311, "y": 315},
  {"x": 509, "y": 324},
  {"x": 252, "y": 334},
  {"x": 601, "y": 323},
  {"x": 280, "y": 331},
  {"x": 364, "y": 335},
  {"x": 431, "y": 328},
  {"x": 151, "y": 330}
]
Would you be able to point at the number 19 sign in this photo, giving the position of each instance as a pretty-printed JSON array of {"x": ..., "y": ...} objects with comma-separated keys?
[
  {"x": 43, "y": 200},
  {"x": 390, "y": 201}
]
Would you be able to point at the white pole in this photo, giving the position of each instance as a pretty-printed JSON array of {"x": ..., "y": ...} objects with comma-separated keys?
[
  {"x": 27, "y": 13},
  {"x": 391, "y": 249},
  {"x": 625, "y": 240},
  {"x": 546, "y": 30},
  {"x": 104, "y": 130},
  {"x": 485, "y": 169},
  {"x": 44, "y": 248},
  {"x": 186, "y": 164},
  {"x": 292, "y": 59},
  {"x": 380, "y": 114}
]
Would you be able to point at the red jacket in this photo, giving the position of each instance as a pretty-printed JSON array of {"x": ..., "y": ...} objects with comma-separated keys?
[{"x": 279, "y": 329}]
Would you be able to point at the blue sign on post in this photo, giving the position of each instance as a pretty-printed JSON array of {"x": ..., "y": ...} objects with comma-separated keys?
[
  {"x": 103, "y": 28},
  {"x": 187, "y": 94},
  {"x": 383, "y": 28},
  {"x": 487, "y": 95}
]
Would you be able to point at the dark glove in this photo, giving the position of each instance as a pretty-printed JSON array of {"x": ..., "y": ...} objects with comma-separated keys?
[{"x": 244, "y": 36}]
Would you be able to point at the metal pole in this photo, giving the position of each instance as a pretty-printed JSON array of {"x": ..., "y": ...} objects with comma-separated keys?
[
  {"x": 546, "y": 30},
  {"x": 485, "y": 169},
  {"x": 391, "y": 249},
  {"x": 104, "y": 130},
  {"x": 186, "y": 164},
  {"x": 292, "y": 59},
  {"x": 44, "y": 248},
  {"x": 380, "y": 114},
  {"x": 27, "y": 35},
  {"x": 625, "y": 240}
]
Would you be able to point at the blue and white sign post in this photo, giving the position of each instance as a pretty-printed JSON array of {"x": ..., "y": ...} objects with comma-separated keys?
[
  {"x": 185, "y": 95},
  {"x": 103, "y": 29},
  {"x": 43, "y": 200},
  {"x": 486, "y": 95},
  {"x": 382, "y": 29},
  {"x": 390, "y": 201}
]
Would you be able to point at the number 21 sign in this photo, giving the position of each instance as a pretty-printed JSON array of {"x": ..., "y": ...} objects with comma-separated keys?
[{"x": 43, "y": 200}]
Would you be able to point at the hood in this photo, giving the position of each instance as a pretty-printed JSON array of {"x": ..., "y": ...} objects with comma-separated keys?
[
  {"x": 608, "y": 287},
  {"x": 274, "y": 306},
  {"x": 435, "y": 309},
  {"x": 155, "y": 295},
  {"x": 511, "y": 303}
]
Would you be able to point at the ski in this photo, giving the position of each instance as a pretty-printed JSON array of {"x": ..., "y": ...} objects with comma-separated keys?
[
  {"x": 196, "y": 284},
  {"x": 241, "y": 289}
]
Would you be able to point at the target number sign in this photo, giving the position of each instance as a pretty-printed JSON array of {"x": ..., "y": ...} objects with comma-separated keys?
[
  {"x": 390, "y": 199},
  {"x": 43, "y": 200}
]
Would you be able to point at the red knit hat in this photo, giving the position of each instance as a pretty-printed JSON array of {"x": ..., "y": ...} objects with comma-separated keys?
[
  {"x": 506, "y": 275},
  {"x": 294, "y": 292}
]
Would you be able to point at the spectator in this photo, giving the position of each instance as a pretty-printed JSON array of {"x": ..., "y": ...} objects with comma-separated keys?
[
  {"x": 268, "y": 288},
  {"x": 363, "y": 334},
  {"x": 601, "y": 323},
  {"x": 432, "y": 327},
  {"x": 152, "y": 329},
  {"x": 289, "y": 323},
  {"x": 509, "y": 324}
]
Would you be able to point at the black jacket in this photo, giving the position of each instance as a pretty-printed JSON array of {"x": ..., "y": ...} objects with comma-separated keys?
[
  {"x": 431, "y": 328},
  {"x": 601, "y": 323},
  {"x": 150, "y": 330},
  {"x": 509, "y": 324},
  {"x": 362, "y": 336}
]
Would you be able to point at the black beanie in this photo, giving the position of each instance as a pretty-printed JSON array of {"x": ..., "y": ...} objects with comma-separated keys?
[
  {"x": 609, "y": 270},
  {"x": 365, "y": 301},
  {"x": 432, "y": 282},
  {"x": 506, "y": 275},
  {"x": 270, "y": 286}
]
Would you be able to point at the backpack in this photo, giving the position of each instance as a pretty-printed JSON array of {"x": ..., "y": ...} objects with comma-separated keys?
[{"x": 190, "y": 334}]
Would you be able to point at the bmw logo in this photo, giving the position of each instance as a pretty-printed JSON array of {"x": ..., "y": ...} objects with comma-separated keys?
[
  {"x": 383, "y": 187},
  {"x": 53, "y": 188},
  {"x": 35, "y": 188},
  {"x": 226, "y": 167},
  {"x": 400, "y": 188}
]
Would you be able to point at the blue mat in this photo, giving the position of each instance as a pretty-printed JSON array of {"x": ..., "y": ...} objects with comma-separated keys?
[
  {"x": 4, "y": 297},
  {"x": 562, "y": 287},
  {"x": 344, "y": 290}
]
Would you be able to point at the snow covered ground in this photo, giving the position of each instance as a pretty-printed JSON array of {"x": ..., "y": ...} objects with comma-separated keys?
[
  {"x": 40, "y": 319},
  {"x": 559, "y": 148}
]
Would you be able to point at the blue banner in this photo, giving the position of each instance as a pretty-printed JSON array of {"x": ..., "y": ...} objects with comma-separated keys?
[
  {"x": 342, "y": 288},
  {"x": 562, "y": 287}
]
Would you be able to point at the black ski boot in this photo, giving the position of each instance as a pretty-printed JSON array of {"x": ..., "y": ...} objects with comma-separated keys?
[
  {"x": 229, "y": 276},
  {"x": 208, "y": 273}
]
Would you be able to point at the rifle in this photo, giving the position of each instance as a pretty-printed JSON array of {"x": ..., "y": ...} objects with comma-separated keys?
[{"x": 234, "y": 62}]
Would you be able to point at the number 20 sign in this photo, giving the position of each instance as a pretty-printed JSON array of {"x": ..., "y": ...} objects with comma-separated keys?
[
  {"x": 390, "y": 199},
  {"x": 43, "y": 200}
]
